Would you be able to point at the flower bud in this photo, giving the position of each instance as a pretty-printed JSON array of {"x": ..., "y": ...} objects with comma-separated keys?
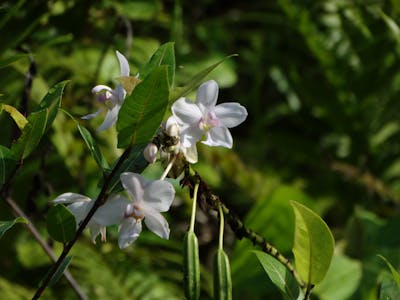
[
  {"x": 150, "y": 153},
  {"x": 173, "y": 130}
]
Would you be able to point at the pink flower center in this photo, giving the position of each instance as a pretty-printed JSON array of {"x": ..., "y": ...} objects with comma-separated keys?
[
  {"x": 208, "y": 121},
  {"x": 135, "y": 212}
]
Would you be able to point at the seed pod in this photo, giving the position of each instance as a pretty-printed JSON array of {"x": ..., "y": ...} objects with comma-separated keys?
[
  {"x": 222, "y": 276},
  {"x": 191, "y": 268}
]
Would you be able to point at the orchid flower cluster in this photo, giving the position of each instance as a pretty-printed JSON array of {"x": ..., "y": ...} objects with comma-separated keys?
[{"x": 146, "y": 200}]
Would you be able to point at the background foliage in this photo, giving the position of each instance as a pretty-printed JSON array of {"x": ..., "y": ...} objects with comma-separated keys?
[{"x": 321, "y": 84}]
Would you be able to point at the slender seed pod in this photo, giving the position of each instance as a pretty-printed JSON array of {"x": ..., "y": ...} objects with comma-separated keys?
[
  {"x": 191, "y": 267},
  {"x": 222, "y": 276}
]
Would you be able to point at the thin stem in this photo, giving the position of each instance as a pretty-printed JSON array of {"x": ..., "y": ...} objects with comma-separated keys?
[
  {"x": 168, "y": 168},
  {"x": 32, "y": 229},
  {"x": 221, "y": 228},
  {"x": 193, "y": 218}
]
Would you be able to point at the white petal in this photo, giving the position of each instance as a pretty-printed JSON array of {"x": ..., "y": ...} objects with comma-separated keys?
[
  {"x": 156, "y": 223},
  {"x": 170, "y": 122},
  {"x": 119, "y": 95},
  {"x": 230, "y": 114},
  {"x": 110, "y": 119},
  {"x": 96, "y": 229},
  {"x": 186, "y": 112},
  {"x": 190, "y": 153},
  {"x": 71, "y": 198},
  {"x": 123, "y": 64},
  {"x": 219, "y": 136},
  {"x": 159, "y": 194},
  {"x": 112, "y": 212},
  {"x": 129, "y": 231},
  {"x": 134, "y": 184},
  {"x": 100, "y": 88},
  {"x": 190, "y": 136},
  {"x": 80, "y": 210},
  {"x": 207, "y": 95},
  {"x": 91, "y": 116}
]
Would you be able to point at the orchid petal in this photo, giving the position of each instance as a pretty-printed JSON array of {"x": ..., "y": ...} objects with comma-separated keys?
[
  {"x": 100, "y": 88},
  {"x": 119, "y": 94},
  {"x": 90, "y": 116},
  {"x": 230, "y": 114},
  {"x": 186, "y": 112},
  {"x": 156, "y": 222},
  {"x": 110, "y": 119},
  {"x": 219, "y": 136},
  {"x": 80, "y": 210},
  {"x": 71, "y": 198},
  {"x": 134, "y": 184},
  {"x": 123, "y": 64},
  {"x": 207, "y": 96},
  {"x": 129, "y": 231},
  {"x": 190, "y": 136},
  {"x": 159, "y": 194},
  {"x": 112, "y": 212},
  {"x": 190, "y": 154},
  {"x": 96, "y": 229}
]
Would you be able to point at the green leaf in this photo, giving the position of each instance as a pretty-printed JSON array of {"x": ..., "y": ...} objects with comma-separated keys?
[
  {"x": 6, "y": 164},
  {"x": 313, "y": 244},
  {"x": 31, "y": 135},
  {"x": 94, "y": 149},
  {"x": 52, "y": 101},
  {"x": 61, "y": 223},
  {"x": 18, "y": 118},
  {"x": 165, "y": 55},
  {"x": 195, "y": 81},
  {"x": 389, "y": 289},
  {"x": 279, "y": 275},
  {"x": 395, "y": 274},
  {"x": 142, "y": 112},
  {"x": 9, "y": 60},
  {"x": 6, "y": 225},
  {"x": 222, "y": 276},
  {"x": 191, "y": 266},
  {"x": 64, "y": 265}
]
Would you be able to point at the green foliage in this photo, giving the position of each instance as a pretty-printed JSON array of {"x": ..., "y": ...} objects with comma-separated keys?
[
  {"x": 222, "y": 276},
  {"x": 395, "y": 274},
  {"x": 64, "y": 265},
  {"x": 18, "y": 118},
  {"x": 7, "y": 225},
  {"x": 61, "y": 223}
]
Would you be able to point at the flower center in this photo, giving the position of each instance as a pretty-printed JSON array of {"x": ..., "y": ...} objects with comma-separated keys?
[
  {"x": 134, "y": 212},
  {"x": 208, "y": 121}
]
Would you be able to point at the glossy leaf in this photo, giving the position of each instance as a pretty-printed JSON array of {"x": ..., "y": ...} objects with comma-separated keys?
[
  {"x": 395, "y": 274},
  {"x": 93, "y": 147},
  {"x": 61, "y": 223},
  {"x": 222, "y": 276},
  {"x": 313, "y": 244},
  {"x": 191, "y": 266},
  {"x": 142, "y": 112},
  {"x": 165, "y": 55},
  {"x": 279, "y": 275},
  {"x": 18, "y": 118},
  {"x": 7, "y": 225}
]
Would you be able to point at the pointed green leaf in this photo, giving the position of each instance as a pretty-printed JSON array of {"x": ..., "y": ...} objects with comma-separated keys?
[
  {"x": 191, "y": 266},
  {"x": 195, "y": 81},
  {"x": 31, "y": 135},
  {"x": 313, "y": 244},
  {"x": 18, "y": 118},
  {"x": 165, "y": 55},
  {"x": 222, "y": 276},
  {"x": 52, "y": 101},
  {"x": 6, "y": 225},
  {"x": 279, "y": 275},
  {"x": 94, "y": 149},
  {"x": 395, "y": 274},
  {"x": 61, "y": 223},
  {"x": 142, "y": 112}
]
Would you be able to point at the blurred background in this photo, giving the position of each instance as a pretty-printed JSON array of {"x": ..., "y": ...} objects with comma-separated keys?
[{"x": 321, "y": 83}]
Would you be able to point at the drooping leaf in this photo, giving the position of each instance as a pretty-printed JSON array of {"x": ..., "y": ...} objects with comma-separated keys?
[
  {"x": 395, "y": 274},
  {"x": 64, "y": 265},
  {"x": 6, "y": 225},
  {"x": 313, "y": 244},
  {"x": 191, "y": 266},
  {"x": 18, "y": 118},
  {"x": 31, "y": 135},
  {"x": 142, "y": 112},
  {"x": 165, "y": 55},
  {"x": 222, "y": 276},
  {"x": 93, "y": 147},
  {"x": 61, "y": 223},
  {"x": 195, "y": 81},
  {"x": 279, "y": 275}
]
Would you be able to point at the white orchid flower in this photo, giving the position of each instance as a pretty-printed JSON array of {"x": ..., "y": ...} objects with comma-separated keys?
[
  {"x": 205, "y": 117},
  {"x": 80, "y": 206},
  {"x": 148, "y": 200},
  {"x": 112, "y": 98}
]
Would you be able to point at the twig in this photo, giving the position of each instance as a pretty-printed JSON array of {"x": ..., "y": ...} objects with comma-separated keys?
[{"x": 18, "y": 212}]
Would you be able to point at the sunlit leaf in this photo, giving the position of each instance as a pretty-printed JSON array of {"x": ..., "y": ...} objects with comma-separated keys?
[
  {"x": 6, "y": 225},
  {"x": 18, "y": 118},
  {"x": 61, "y": 223},
  {"x": 313, "y": 244}
]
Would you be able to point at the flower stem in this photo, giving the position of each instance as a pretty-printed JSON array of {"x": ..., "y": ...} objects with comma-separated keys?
[
  {"x": 168, "y": 168},
  {"x": 196, "y": 188},
  {"x": 221, "y": 228}
]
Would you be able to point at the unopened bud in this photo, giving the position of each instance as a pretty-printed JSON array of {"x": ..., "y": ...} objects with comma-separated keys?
[
  {"x": 173, "y": 130},
  {"x": 150, "y": 153}
]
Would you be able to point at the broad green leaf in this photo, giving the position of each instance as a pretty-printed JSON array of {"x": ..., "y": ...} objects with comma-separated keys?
[
  {"x": 6, "y": 164},
  {"x": 165, "y": 55},
  {"x": 142, "y": 112},
  {"x": 94, "y": 149},
  {"x": 222, "y": 276},
  {"x": 9, "y": 60},
  {"x": 195, "y": 81},
  {"x": 191, "y": 266},
  {"x": 313, "y": 244},
  {"x": 52, "y": 101},
  {"x": 61, "y": 223},
  {"x": 279, "y": 275},
  {"x": 6, "y": 225},
  {"x": 395, "y": 274},
  {"x": 31, "y": 135},
  {"x": 64, "y": 265},
  {"x": 18, "y": 118}
]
